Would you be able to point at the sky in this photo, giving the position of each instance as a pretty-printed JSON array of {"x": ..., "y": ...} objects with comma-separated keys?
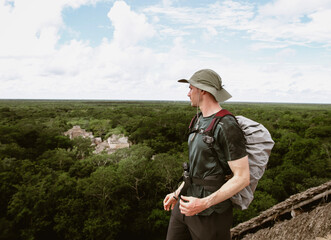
[{"x": 265, "y": 51}]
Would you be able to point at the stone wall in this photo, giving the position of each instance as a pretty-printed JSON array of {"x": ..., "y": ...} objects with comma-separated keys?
[
  {"x": 110, "y": 145},
  {"x": 76, "y": 131}
]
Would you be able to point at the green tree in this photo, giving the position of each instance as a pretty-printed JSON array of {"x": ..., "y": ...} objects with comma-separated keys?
[
  {"x": 82, "y": 147},
  {"x": 58, "y": 159}
]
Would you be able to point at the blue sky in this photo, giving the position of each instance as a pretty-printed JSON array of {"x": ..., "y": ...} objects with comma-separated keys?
[{"x": 265, "y": 51}]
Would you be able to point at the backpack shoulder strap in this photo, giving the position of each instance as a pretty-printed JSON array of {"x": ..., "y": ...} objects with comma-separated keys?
[
  {"x": 223, "y": 113},
  {"x": 193, "y": 121},
  {"x": 218, "y": 116},
  {"x": 209, "y": 139}
]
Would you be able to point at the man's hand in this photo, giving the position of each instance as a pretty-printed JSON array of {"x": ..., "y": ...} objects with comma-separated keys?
[
  {"x": 169, "y": 201},
  {"x": 190, "y": 206}
]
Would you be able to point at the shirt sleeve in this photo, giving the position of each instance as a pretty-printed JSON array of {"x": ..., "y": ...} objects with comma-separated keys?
[{"x": 231, "y": 139}]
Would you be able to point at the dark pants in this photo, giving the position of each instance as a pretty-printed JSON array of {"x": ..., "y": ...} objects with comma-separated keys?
[{"x": 216, "y": 226}]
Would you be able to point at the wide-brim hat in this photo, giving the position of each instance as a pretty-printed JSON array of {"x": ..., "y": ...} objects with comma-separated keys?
[{"x": 208, "y": 80}]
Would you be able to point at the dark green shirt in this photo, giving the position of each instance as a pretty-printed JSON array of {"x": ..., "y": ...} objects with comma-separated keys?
[{"x": 229, "y": 145}]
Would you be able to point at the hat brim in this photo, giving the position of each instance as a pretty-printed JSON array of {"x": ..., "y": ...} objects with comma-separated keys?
[
  {"x": 183, "y": 81},
  {"x": 220, "y": 95}
]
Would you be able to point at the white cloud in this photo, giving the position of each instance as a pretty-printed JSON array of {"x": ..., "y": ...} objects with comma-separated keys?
[
  {"x": 278, "y": 22},
  {"x": 30, "y": 28},
  {"x": 27, "y": 31},
  {"x": 130, "y": 27},
  {"x": 278, "y": 82},
  {"x": 112, "y": 70},
  {"x": 167, "y": 3},
  {"x": 225, "y": 14},
  {"x": 285, "y": 53},
  {"x": 209, "y": 33},
  {"x": 281, "y": 22},
  {"x": 125, "y": 67},
  {"x": 292, "y": 9}
]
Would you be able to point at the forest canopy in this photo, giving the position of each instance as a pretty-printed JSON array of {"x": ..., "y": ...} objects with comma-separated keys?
[{"x": 55, "y": 187}]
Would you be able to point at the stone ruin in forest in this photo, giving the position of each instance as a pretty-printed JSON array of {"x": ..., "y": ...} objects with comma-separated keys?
[{"x": 110, "y": 145}]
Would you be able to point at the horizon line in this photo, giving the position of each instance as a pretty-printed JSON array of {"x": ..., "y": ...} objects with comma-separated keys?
[{"x": 140, "y": 100}]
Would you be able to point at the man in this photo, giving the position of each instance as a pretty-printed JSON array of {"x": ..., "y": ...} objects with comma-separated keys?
[{"x": 203, "y": 213}]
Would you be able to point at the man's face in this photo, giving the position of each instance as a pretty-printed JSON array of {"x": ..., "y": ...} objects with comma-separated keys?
[{"x": 193, "y": 94}]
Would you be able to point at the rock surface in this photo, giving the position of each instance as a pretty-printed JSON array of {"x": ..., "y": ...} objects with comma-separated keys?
[
  {"x": 306, "y": 215},
  {"x": 313, "y": 225}
]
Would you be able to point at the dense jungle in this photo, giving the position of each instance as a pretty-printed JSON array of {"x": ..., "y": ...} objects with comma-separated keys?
[{"x": 54, "y": 187}]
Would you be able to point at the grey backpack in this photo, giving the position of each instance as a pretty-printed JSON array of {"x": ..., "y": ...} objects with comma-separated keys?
[{"x": 258, "y": 146}]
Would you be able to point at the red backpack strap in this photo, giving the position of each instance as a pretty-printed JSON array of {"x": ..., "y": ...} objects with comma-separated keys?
[
  {"x": 193, "y": 121},
  {"x": 216, "y": 119},
  {"x": 223, "y": 113}
]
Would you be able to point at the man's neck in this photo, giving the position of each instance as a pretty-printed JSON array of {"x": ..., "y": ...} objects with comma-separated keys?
[{"x": 210, "y": 109}]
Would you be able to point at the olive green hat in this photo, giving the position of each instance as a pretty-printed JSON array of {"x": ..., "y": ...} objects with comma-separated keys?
[{"x": 210, "y": 81}]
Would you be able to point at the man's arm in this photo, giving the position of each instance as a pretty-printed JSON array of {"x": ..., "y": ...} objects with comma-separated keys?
[{"x": 240, "y": 169}]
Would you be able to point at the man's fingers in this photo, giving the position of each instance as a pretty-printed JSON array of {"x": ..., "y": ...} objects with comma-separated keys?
[
  {"x": 165, "y": 200},
  {"x": 169, "y": 203},
  {"x": 184, "y": 198},
  {"x": 166, "y": 203}
]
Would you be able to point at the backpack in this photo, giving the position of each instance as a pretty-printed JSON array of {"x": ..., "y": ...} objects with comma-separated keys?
[{"x": 258, "y": 146}]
